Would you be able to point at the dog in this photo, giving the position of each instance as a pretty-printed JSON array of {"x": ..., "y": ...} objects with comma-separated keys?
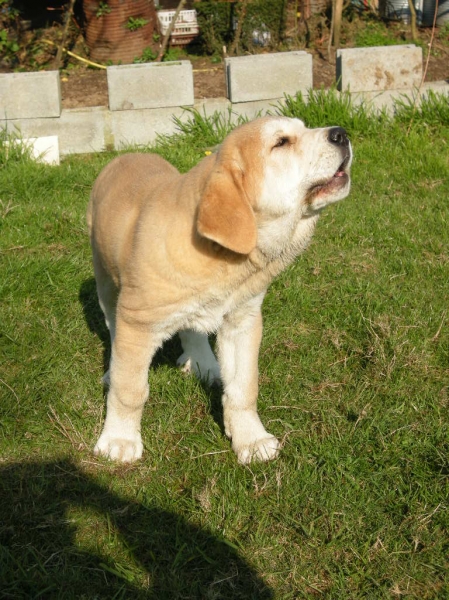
[{"x": 194, "y": 253}]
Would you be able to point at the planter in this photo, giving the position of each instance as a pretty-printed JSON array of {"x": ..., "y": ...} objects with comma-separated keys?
[{"x": 108, "y": 34}]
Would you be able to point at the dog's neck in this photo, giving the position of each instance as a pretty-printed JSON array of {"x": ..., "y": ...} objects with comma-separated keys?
[{"x": 281, "y": 240}]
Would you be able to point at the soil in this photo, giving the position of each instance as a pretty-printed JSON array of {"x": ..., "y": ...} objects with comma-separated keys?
[{"x": 88, "y": 87}]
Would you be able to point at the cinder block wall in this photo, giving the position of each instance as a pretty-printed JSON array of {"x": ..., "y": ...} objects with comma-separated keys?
[{"x": 144, "y": 98}]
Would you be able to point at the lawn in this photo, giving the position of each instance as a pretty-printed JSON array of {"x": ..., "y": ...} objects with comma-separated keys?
[{"x": 354, "y": 374}]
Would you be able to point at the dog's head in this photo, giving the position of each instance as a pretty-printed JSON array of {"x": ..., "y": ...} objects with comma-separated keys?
[{"x": 272, "y": 168}]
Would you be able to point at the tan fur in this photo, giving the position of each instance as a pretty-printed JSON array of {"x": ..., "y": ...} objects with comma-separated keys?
[{"x": 195, "y": 253}]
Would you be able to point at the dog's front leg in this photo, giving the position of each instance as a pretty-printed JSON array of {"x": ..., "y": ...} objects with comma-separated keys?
[
  {"x": 238, "y": 343},
  {"x": 133, "y": 348}
]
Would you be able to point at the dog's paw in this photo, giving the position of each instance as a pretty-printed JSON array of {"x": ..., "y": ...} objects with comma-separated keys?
[
  {"x": 261, "y": 450},
  {"x": 119, "y": 449},
  {"x": 250, "y": 440},
  {"x": 206, "y": 370}
]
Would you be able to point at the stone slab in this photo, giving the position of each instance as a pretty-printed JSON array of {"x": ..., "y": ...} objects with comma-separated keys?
[
  {"x": 152, "y": 85},
  {"x": 437, "y": 87},
  {"x": 210, "y": 106},
  {"x": 379, "y": 69},
  {"x": 253, "y": 110},
  {"x": 79, "y": 131},
  {"x": 389, "y": 99},
  {"x": 30, "y": 95},
  {"x": 83, "y": 130},
  {"x": 268, "y": 76},
  {"x": 44, "y": 149},
  {"x": 377, "y": 101},
  {"x": 142, "y": 127}
]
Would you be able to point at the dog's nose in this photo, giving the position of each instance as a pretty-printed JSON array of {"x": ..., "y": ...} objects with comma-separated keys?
[{"x": 338, "y": 136}]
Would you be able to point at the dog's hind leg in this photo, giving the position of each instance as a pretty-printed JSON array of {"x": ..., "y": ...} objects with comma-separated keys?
[
  {"x": 198, "y": 356},
  {"x": 107, "y": 298},
  {"x": 132, "y": 351}
]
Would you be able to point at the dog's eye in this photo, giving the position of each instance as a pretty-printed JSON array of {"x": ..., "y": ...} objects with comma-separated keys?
[{"x": 282, "y": 141}]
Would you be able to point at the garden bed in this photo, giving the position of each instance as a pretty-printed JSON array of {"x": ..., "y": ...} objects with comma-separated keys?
[{"x": 84, "y": 86}]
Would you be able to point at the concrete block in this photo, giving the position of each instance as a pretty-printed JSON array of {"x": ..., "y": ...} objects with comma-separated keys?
[
  {"x": 268, "y": 76},
  {"x": 252, "y": 110},
  {"x": 210, "y": 106},
  {"x": 79, "y": 130},
  {"x": 379, "y": 69},
  {"x": 30, "y": 128},
  {"x": 152, "y": 85},
  {"x": 30, "y": 95},
  {"x": 83, "y": 130},
  {"x": 437, "y": 87},
  {"x": 141, "y": 127},
  {"x": 388, "y": 100},
  {"x": 377, "y": 101}
]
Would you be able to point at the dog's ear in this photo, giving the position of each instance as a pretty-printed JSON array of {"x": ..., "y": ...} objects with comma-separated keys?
[{"x": 225, "y": 215}]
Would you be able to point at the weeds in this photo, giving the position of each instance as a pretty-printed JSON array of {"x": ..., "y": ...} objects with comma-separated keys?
[
  {"x": 327, "y": 107},
  {"x": 374, "y": 33},
  {"x": 135, "y": 23},
  {"x": 432, "y": 111}
]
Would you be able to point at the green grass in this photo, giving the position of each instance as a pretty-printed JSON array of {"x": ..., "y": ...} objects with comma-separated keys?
[
  {"x": 354, "y": 381},
  {"x": 374, "y": 33}
]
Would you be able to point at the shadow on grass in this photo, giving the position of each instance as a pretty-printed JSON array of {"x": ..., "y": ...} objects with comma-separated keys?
[
  {"x": 65, "y": 535},
  {"x": 94, "y": 317},
  {"x": 167, "y": 355}
]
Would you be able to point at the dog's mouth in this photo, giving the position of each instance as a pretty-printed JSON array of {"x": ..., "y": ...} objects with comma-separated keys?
[
  {"x": 342, "y": 169},
  {"x": 338, "y": 180}
]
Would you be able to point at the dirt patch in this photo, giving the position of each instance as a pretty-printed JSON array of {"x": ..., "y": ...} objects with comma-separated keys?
[{"x": 86, "y": 87}]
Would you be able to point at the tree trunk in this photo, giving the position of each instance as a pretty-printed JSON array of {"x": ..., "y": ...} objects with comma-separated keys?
[
  {"x": 238, "y": 32},
  {"x": 68, "y": 16}
]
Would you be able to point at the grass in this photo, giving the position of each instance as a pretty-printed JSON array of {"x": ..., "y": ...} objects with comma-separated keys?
[
  {"x": 354, "y": 381},
  {"x": 374, "y": 33}
]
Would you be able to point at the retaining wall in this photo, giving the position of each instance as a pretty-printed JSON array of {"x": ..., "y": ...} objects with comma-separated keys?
[{"x": 144, "y": 98}]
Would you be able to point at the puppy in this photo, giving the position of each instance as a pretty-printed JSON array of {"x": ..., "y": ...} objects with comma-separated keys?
[{"x": 195, "y": 253}]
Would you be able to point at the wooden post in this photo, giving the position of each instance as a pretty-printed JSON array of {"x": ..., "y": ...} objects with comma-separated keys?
[
  {"x": 338, "y": 9},
  {"x": 413, "y": 28}
]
